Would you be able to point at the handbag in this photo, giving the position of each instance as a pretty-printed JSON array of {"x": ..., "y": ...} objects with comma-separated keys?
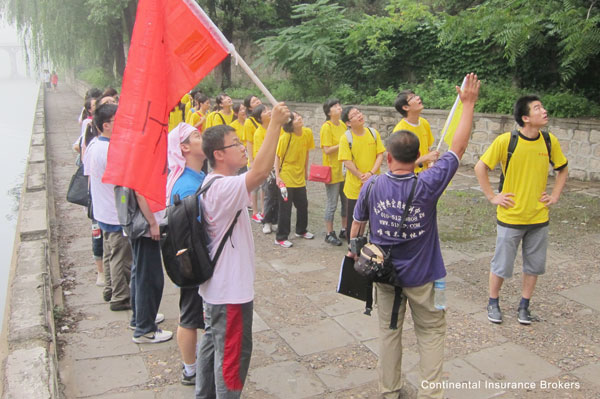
[
  {"x": 78, "y": 192},
  {"x": 320, "y": 173}
]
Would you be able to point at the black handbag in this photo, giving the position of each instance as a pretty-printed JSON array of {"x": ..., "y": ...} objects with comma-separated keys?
[{"x": 78, "y": 192}]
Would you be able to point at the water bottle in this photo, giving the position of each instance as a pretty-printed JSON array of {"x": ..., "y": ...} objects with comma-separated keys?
[
  {"x": 96, "y": 232},
  {"x": 439, "y": 294},
  {"x": 283, "y": 189}
]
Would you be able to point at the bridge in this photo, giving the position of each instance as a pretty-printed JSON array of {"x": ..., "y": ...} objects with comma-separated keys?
[{"x": 14, "y": 51}]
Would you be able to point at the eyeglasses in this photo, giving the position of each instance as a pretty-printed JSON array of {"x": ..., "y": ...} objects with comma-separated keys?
[
  {"x": 354, "y": 115},
  {"x": 409, "y": 99},
  {"x": 235, "y": 144}
]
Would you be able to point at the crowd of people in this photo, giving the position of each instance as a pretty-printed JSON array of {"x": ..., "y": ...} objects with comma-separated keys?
[{"x": 256, "y": 160}]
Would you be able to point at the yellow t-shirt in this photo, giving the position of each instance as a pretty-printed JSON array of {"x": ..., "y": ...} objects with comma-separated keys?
[
  {"x": 250, "y": 127},
  {"x": 294, "y": 154},
  {"x": 195, "y": 118},
  {"x": 526, "y": 177},
  {"x": 188, "y": 109},
  {"x": 364, "y": 152},
  {"x": 239, "y": 129},
  {"x": 217, "y": 118},
  {"x": 330, "y": 136},
  {"x": 423, "y": 132},
  {"x": 259, "y": 137},
  {"x": 175, "y": 117}
]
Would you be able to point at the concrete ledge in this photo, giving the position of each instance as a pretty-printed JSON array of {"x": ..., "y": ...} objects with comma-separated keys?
[
  {"x": 30, "y": 369},
  {"x": 28, "y": 310},
  {"x": 36, "y": 177},
  {"x": 30, "y": 373}
]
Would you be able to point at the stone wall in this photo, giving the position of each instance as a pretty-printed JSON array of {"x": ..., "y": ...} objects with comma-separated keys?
[
  {"x": 30, "y": 369},
  {"x": 579, "y": 139}
]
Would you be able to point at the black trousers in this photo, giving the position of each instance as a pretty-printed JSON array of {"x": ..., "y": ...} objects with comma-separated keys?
[
  {"x": 297, "y": 197},
  {"x": 272, "y": 197}
]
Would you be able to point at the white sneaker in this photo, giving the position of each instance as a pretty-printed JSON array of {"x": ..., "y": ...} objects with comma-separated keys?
[
  {"x": 307, "y": 235},
  {"x": 100, "y": 282},
  {"x": 267, "y": 228},
  {"x": 153, "y": 337},
  {"x": 159, "y": 319},
  {"x": 284, "y": 243}
]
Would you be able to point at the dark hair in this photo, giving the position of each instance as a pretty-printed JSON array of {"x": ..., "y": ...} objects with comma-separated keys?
[
  {"x": 236, "y": 110},
  {"x": 346, "y": 111},
  {"x": 327, "y": 106},
  {"x": 93, "y": 92},
  {"x": 403, "y": 145},
  {"x": 103, "y": 114},
  {"x": 219, "y": 101},
  {"x": 256, "y": 112},
  {"x": 109, "y": 91},
  {"x": 213, "y": 139},
  {"x": 289, "y": 125},
  {"x": 522, "y": 107},
  {"x": 91, "y": 131},
  {"x": 200, "y": 98},
  {"x": 248, "y": 100},
  {"x": 402, "y": 100},
  {"x": 88, "y": 105}
]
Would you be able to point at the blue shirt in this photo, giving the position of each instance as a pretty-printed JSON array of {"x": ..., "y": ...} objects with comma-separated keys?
[
  {"x": 187, "y": 183},
  {"x": 416, "y": 251}
]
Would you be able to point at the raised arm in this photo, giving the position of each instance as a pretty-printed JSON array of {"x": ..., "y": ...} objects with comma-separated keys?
[{"x": 468, "y": 97}]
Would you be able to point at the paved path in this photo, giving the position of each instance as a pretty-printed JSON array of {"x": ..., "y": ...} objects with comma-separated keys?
[{"x": 313, "y": 343}]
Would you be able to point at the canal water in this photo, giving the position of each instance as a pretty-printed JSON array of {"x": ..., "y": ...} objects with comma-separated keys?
[{"x": 18, "y": 97}]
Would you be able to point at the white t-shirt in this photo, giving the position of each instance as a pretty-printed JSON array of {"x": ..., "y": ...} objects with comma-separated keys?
[
  {"x": 81, "y": 138},
  {"x": 233, "y": 278},
  {"x": 103, "y": 195}
]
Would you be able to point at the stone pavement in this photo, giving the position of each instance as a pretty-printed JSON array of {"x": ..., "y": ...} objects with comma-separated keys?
[{"x": 310, "y": 342}]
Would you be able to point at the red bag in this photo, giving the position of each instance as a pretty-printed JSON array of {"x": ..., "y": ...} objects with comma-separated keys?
[{"x": 320, "y": 173}]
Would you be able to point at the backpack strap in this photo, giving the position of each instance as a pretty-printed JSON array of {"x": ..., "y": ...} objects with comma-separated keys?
[
  {"x": 254, "y": 123},
  {"x": 285, "y": 153},
  {"x": 348, "y": 134},
  {"x": 548, "y": 142},
  {"x": 512, "y": 144},
  {"x": 222, "y": 119}
]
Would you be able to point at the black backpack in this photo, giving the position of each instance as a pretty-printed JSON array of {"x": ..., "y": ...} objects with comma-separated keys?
[
  {"x": 184, "y": 240},
  {"x": 512, "y": 144}
]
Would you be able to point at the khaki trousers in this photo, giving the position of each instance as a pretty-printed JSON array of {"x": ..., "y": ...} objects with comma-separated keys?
[
  {"x": 117, "y": 260},
  {"x": 430, "y": 330}
]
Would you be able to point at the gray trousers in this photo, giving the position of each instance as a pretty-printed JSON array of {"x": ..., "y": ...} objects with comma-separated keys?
[
  {"x": 225, "y": 349},
  {"x": 117, "y": 260}
]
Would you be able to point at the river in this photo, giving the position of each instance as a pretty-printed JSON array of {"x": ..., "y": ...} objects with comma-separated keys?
[{"x": 18, "y": 98}]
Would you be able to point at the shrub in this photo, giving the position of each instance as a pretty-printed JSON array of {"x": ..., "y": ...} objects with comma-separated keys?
[{"x": 97, "y": 77}]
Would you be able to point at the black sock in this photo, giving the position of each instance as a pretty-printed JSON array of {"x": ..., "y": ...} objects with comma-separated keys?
[
  {"x": 494, "y": 301},
  {"x": 524, "y": 303}
]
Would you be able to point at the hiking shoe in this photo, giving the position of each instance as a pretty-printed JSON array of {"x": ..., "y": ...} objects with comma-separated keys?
[
  {"x": 106, "y": 295},
  {"x": 283, "y": 243},
  {"x": 332, "y": 239},
  {"x": 159, "y": 319},
  {"x": 118, "y": 306},
  {"x": 257, "y": 218},
  {"x": 267, "y": 228},
  {"x": 494, "y": 314},
  {"x": 343, "y": 234},
  {"x": 524, "y": 316},
  {"x": 307, "y": 235},
  {"x": 188, "y": 379},
  {"x": 153, "y": 337},
  {"x": 100, "y": 280}
]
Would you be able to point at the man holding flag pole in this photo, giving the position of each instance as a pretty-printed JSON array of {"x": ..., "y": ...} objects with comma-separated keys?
[{"x": 174, "y": 45}]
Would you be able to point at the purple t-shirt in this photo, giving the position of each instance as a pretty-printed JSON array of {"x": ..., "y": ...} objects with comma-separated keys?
[{"x": 416, "y": 253}]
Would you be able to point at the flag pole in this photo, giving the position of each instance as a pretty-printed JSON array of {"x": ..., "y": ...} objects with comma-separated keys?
[
  {"x": 450, "y": 116},
  {"x": 230, "y": 47}
]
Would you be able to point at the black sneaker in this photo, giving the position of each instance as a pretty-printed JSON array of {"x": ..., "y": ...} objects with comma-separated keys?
[
  {"x": 188, "y": 379},
  {"x": 494, "y": 314},
  {"x": 332, "y": 239},
  {"x": 524, "y": 316},
  {"x": 343, "y": 234},
  {"x": 121, "y": 305},
  {"x": 107, "y": 295}
]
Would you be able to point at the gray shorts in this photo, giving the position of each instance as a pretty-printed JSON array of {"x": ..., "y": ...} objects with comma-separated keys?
[{"x": 535, "y": 244}]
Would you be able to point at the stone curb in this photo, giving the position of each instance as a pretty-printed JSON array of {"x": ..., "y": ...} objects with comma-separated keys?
[{"x": 30, "y": 368}]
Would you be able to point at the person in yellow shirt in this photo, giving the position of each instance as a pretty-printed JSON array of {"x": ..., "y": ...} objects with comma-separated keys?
[
  {"x": 410, "y": 106},
  {"x": 361, "y": 150},
  {"x": 269, "y": 209},
  {"x": 198, "y": 117},
  {"x": 250, "y": 126},
  {"x": 523, "y": 203},
  {"x": 331, "y": 131},
  {"x": 291, "y": 171},
  {"x": 239, "y": 119},
  {"x": 223, "y": 113}
]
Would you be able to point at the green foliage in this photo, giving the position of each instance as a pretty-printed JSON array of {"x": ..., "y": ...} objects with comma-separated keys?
[{"x": 98, "y": 77}]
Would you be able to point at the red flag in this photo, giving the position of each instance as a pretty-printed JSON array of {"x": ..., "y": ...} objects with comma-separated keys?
[{"x": 172, "y": 49}]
